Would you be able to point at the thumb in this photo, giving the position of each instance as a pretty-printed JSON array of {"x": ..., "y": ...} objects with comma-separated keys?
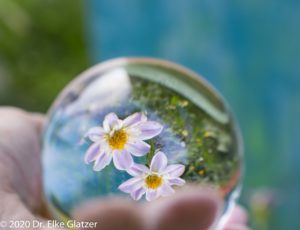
[
  {"x": 110, "y": 214},
  {"x": 191, "y": 209}
]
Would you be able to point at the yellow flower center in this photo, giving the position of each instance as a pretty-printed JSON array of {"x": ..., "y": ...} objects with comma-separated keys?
[
  {"x": 118, "y": 139},
  {"x": 153, "y": 181}
]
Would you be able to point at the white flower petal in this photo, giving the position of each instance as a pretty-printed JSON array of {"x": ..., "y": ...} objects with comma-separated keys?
[
  {"x": 102, "y": 161},
  {"x": 137, "y": 170},
  {"x": 134, "y": 119},
  {"x": 152, "y": 194},
  {"x": 92, "y": 153},
  {"x": 136, "y": 195},
  {"x": 138, "y": 148},
  {"x": 149, "y": 129},
  {"x": 175, "y": 170},
  {"x": 110, "y": 122},
  {"x": 166, "y": 190},
  {"x": 158, "y": 162},
  {"x": 122, "y": 159},
  {"x": 176, "y": 181},
  {"x": 131, "y": 185},
  {"x": 95, "y": 134}
]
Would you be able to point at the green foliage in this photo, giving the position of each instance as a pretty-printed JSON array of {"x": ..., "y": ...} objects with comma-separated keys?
[
  {"x": 41, "y": 49},
  {"x": 212, "y": 156}
]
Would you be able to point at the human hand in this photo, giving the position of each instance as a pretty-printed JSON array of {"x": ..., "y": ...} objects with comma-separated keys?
[{"x": 21, "y": 196}]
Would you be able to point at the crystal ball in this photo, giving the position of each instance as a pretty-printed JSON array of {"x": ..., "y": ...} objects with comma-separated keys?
[{"x": 141, "y": 129}]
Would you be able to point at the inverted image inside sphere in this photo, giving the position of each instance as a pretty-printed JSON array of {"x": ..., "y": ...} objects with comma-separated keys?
[{"x": 141, "y": 129}]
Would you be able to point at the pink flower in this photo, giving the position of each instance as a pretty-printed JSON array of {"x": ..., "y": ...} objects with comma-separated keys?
[
  {"x": 156, "y": 181},
  {"x": 118, "y": 139}
]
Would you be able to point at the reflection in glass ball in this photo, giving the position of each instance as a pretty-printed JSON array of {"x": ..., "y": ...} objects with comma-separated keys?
[{"x": 141, "y": 129}]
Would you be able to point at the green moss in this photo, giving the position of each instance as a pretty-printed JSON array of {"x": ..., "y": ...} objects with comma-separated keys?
[{"x": 212, "y": 155}]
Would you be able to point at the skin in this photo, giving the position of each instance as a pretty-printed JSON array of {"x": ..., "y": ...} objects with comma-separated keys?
[{"x": 21, "y": 196}]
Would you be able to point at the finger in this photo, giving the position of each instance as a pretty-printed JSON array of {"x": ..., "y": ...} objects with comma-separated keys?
[
  {"x": 20, "y": 169},
  {"x": 237, "y": 218},
  {"x": 192, "y": 209},
  {"x": 236, "y": 227},
  {"x": 110, "y": 214},
  {"x": 13, "y": 209},
  {"x": 20, "y": 156},
  {"x": 38, "y": 120}
]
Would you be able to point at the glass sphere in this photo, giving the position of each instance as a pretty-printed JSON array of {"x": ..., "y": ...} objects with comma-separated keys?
[{"x": 141, "y": 129}]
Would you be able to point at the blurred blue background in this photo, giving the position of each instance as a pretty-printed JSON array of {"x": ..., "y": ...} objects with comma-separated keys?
[{"x": 249, "y": 50}]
